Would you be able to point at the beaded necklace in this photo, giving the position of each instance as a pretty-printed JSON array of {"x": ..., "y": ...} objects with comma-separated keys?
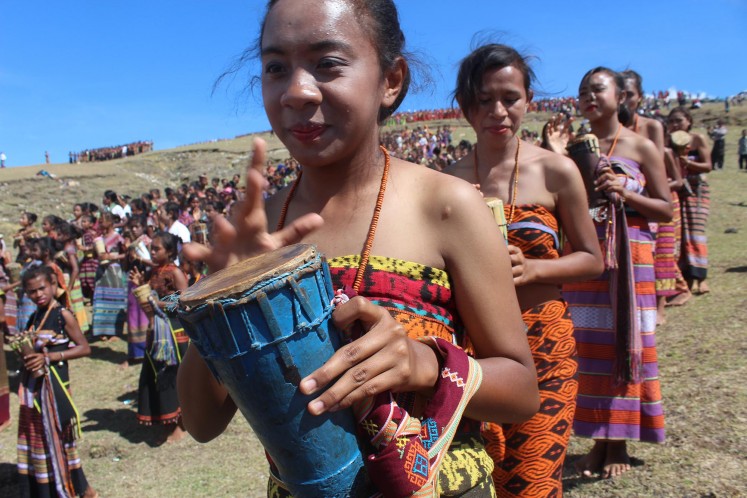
[
  {"x": 515, "y": 189},
  {"x": 366, "y": 253},
  {"x": 614, "y": 141}
]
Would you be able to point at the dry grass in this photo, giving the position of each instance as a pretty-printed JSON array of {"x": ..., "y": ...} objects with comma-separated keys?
[{"x": 702, "y": 356}]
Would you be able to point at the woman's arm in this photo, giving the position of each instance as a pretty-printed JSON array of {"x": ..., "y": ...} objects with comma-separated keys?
[
  {"x": 207, "y": 409},
  {"x": 700, "y": 144},
  {"x": 478, "y": 263},
  {"x": 657, "y": 205},
  {"x": 73, "y": 331},
  {"x": 673, "y": 170},
  {"x": 74, "y": 269}
]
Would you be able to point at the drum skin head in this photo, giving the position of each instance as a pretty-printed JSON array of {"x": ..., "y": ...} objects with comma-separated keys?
[{"x": 236, "y": 279}]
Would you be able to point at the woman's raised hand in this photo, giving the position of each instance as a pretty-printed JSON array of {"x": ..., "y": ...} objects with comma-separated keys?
[
  {"x": 136, "y": 277},
  {"x": 247, "y": 234},
  {"x": 557, "y": 133}
]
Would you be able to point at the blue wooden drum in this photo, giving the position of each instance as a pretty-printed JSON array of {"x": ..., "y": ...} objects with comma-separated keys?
[{"x": 261, "y": 326}]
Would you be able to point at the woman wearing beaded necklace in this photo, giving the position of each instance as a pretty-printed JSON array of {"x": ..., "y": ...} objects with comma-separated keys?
[
  {"x": 615, "y": 314},
  {"x": 542, "y": 192},
  {"x": 332, "y": 71}
]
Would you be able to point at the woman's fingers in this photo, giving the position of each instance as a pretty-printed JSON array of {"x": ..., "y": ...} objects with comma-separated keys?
[
  {"x": 375, "y": 362},
  {"x": 298, "y": 229}
]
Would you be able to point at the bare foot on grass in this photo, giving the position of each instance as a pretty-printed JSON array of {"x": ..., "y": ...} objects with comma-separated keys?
[
  {"x": 661, "y": 317},
  {"x": 680, "y": 299},
  {"x": 592, "y": 462},
  {"x": 703, "y": 288},
  {"x": 177, "y": 434},
  {"x": 91, "y": 493},
  {"x": 617, "y": 461}
]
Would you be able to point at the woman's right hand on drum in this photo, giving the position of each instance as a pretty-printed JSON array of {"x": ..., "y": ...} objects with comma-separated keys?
[
  {"x": 246, "y": 234},
  {"x": 382, "y": 359}
]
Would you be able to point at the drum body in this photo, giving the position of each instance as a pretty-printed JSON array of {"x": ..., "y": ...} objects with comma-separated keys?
[
  {"x": 585, "y": 152},
  {"x": 260, "y": 337}
]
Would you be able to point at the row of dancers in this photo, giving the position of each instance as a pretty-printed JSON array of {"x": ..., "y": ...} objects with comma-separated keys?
[{"x": 567, "y": 310}]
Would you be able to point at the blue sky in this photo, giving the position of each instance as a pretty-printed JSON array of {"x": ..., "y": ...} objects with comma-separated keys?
[{"x": 84, "y": 74}]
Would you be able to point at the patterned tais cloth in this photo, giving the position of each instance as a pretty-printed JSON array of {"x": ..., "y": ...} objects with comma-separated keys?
[
  {"x": 529, "y": 456},
  {"x": 420, "y": 298},
  {"x": 607, "y": 409}
]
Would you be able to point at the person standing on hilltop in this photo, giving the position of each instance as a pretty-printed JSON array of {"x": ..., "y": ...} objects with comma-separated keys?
[
  {"x": 718, "y": 135},
  {"x": 3, "y": 157},
  {"x": 46, "y": 156}
]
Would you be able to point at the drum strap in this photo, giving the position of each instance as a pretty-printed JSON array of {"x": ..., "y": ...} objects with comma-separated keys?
[{"x": 408, "y": 450}]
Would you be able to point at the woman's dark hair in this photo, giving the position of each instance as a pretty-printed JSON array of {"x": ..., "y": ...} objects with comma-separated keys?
[
  {"x": 618, "y": 77},
  {"x": 172, "y": 209},
  {"x": 191, "y": 198},
  {"x": 380, "y": 20},
  {"x": 89, "y": 207},
  {"x": 111, "y": 195},
  {"x": 623, "y": 113},
  {"x": 31, "y": 217},
  {"x": 38, "y": 271},
  {"x": 106, "y": 215},
  {"x": 140, "y": 221},
  {"x": 684, "y": 112},
  {"x": 53, "y": 220},
  {"x": 138, "y": 204},
  {"x": 486, "y": 58},
  {"x": 170, "y": 243},
  {"x": 217, "y": 205},
  {"x": 68, "y": 231},
  {"x": 632, "y": 75},
  {"x": 45, "y": 245}
]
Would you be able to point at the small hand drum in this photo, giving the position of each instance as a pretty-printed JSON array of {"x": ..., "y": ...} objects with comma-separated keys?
[{"x": 261, "y": 326}]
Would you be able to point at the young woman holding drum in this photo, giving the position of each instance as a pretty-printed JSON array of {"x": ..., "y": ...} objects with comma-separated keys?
[
  {"x": 615, "y": 314},
  {"x": 542, "y": 193},
  {"x": 332, "y": 70}
]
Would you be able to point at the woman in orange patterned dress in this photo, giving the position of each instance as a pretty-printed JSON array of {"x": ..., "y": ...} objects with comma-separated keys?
[{"x": 542, "y": 192}]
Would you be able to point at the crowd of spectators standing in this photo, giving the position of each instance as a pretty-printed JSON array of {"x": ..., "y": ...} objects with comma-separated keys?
[{"x": 111, "y": 152}]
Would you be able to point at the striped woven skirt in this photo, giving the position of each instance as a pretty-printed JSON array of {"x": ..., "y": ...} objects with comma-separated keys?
[
  {"x": 87, "y": 276},
  {"x": 695, "y": 209},
  {"x": 137, "y": 326},
  {"x": 10, "y": 309},
  {"x": 529, "y": 456},
  {"x": 158, "y": 402},
  {"x": 4, "y": 385},
  {"x": 109, "y": 301},
  {"x": 26, "y": 308},
  {"x": 35, "y": 448},
  {"x": 605, "y": 410},
  {"x": 665, "y": 253},
  {"x": 78, "y": 307}
]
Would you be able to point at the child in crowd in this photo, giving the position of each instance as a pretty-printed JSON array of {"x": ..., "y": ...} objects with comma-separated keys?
[{"x": 48, "y": 422}]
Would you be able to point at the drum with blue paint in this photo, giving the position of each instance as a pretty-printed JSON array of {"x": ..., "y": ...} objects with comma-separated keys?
[{"x": 262, "y": 325}]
